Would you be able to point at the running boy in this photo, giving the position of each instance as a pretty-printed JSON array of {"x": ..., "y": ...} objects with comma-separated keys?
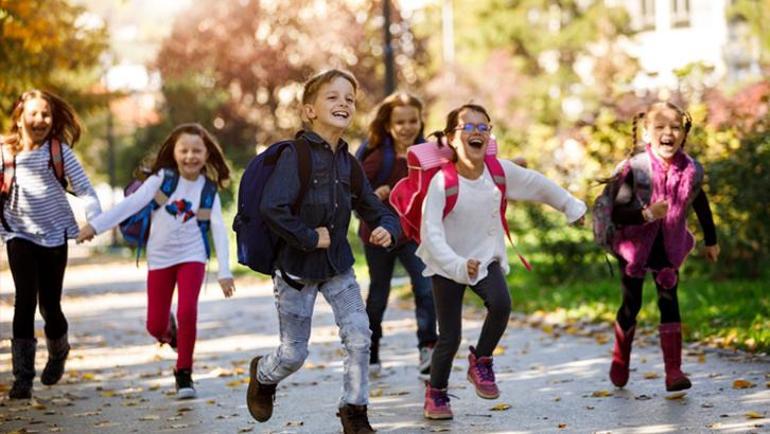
[{"x": 316, "y": 256}]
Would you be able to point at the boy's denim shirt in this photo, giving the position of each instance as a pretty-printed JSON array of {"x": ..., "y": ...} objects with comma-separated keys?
[{"x": 328, "y": 202}]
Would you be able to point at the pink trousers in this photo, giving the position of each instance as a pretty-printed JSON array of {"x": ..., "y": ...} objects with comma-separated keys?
[{"x": 188, "y": 277}]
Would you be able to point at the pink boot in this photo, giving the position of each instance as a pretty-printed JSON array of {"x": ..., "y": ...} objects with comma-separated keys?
[
  {"x": 481, "y": 374},
  {"x": 671, "y": 344},
  {"x": 436, "y": 403},
  {"x": 621, "y": 355}
]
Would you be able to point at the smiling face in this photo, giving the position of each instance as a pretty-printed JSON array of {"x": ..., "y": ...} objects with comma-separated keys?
[
  {"x": 190, "y": 154},
  {"x": 36, "y": 121},
  {"x": 666, "y": 132},
  {"x": 404, "y": 125},
  {"x": 472, "y": 145},
  {"x": 333, "y": 107}
]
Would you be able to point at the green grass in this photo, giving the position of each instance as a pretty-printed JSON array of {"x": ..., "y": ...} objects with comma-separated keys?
[{"x": 729, "y": 313}]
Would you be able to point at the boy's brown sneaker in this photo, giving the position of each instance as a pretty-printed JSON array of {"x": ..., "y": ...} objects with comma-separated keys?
[
  {"x": 259, "y": 397},
  {"x": 354, "y": 419}
]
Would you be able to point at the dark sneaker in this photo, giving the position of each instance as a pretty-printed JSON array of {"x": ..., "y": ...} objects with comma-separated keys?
[
  {"x": 354, "y": 419},
  {"x": 259, "y": 397},
  {"x": 184, "y": 384}
]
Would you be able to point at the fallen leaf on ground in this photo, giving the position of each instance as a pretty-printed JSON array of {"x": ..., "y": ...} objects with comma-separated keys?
[
  {"x": 754, "y": 415},
  {"x": 150, "y": 417},
  {"x": 601, "y": 394},
  {"x": 651, "y": 375},
  {"x": 376, "y": 393},
  {"x": 501, "y": 407},
  {"x": 562, "y": 425},
  {"x": 249, "y": 429},
  {"x": 742, "y": 384},
  {"x": 676, "y": 395},
  {"x": 499, "y": 350}
]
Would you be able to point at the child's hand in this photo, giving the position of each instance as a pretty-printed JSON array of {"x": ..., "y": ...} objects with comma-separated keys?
[
  {"x": 381, "y": 237},
  {"x": 228, "y": 286},
  {"x": 473, "y": 267},
  {"x": 382, "y": 192},
  {"x": 87, "y": 233},
  {"x": 520, "y": 161},
  {"x": 579, "y": 222},
  {"x": 655, "y": 211},
  {"x": 712, "y": 252},
  {"x": 323, "y": 238}
]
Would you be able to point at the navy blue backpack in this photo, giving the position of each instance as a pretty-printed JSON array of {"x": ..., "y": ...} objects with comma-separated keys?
[
  {"x": 257, "y": 244},
  {"x": 136, "y": 229}
]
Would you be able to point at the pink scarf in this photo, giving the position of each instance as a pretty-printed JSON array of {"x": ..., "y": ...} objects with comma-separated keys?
[{"x": 633, "y": 243}]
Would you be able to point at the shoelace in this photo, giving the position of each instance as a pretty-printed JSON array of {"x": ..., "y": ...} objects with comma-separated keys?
[
  {"x": 485, "y": 372},
  {"x": 442, "y": 398}
]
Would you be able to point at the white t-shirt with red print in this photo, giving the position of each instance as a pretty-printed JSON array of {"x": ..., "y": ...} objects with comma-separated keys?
[{"x": 175, "y": 237}]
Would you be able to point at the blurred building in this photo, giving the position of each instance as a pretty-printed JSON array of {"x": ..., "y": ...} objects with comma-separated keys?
[{"x": 672, "y": 34}]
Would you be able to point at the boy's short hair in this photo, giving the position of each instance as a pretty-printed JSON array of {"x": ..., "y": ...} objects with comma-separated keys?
[{"x": 313, "y": 84}]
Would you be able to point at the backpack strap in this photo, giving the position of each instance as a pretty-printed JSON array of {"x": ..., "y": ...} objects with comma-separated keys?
[
  {"x": 451, "y": 187},
  {"x": 9, "y": 171},
  {"x": 57, "y": 161},
  {"x": 6, "y": 182},
  {"x": 388, "y": 160},
  {"x": 452, "y": 184},
  {"x": 167, "y": 187},
  {"x": 208, "y": 194}
]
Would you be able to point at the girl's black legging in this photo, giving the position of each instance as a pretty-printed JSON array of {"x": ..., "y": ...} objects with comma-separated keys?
[
  {"x": 448, "y": 297},
  {"x": 668, "y": 302},
  {"x": 38, "y": 274}
]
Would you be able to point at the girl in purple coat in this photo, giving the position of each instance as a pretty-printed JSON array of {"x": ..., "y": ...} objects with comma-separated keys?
[{"x": 657, "y": 188}]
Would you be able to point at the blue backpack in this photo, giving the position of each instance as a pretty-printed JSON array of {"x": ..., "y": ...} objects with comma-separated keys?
[
  {"x": 257, "y": 244},
  {"x": 136, "y": 229}
]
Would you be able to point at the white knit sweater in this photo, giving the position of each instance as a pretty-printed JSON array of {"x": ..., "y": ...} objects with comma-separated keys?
[{"x": 473, "y": 230}]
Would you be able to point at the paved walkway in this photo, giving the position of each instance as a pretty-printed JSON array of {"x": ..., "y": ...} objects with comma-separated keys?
[{"x": 553, "y": 377}]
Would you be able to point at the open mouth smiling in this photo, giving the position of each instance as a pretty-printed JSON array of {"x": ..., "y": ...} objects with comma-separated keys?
[
  {"x": 476, "y": 143},
  {"x": 341, "y": 114}
]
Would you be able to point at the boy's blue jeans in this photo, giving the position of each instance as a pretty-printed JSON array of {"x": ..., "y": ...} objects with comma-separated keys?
[{"x": 295, "y": 312}]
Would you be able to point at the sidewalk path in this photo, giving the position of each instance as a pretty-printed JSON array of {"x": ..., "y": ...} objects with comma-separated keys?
[{"x": 553, "y": 377}]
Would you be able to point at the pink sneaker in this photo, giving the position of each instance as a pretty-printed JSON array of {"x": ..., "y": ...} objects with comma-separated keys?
[
  {"x": 436, "y": 404},
  {"x": 481, "y": 374}
]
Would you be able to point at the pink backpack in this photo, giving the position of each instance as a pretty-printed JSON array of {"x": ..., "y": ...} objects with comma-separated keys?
[{"x": 424, "y": 161}]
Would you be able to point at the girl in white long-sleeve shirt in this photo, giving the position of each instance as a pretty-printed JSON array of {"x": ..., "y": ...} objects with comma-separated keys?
[
  {"x": 467, "y": 248},
  {"x": 176, "y": 253}
]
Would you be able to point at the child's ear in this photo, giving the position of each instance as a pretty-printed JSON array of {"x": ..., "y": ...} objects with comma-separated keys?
[{"x": 309, "y": 112}]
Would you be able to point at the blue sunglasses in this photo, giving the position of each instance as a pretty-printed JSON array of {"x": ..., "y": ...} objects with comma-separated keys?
[{"x": 470, "y": 127}]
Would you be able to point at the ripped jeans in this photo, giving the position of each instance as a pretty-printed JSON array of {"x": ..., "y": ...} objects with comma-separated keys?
[{"x": 295, "y": 312}]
